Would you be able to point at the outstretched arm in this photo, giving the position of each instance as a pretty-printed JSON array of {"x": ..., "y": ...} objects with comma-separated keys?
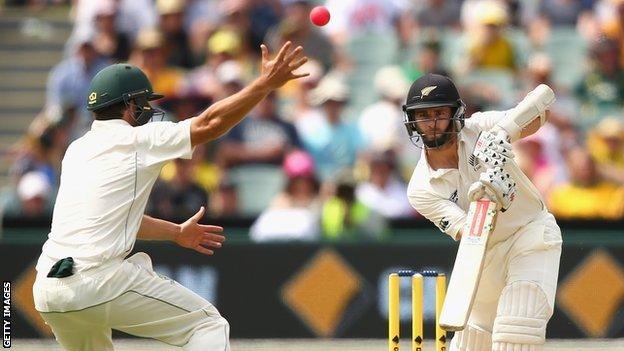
[
  {"x": 190, "y": 234},
  {"x": 220, "y": 117}
]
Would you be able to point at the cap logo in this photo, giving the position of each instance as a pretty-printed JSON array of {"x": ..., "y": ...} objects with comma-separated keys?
[
  {"x": 426, "y": 90},
  {"x": 92, "y": 98}
]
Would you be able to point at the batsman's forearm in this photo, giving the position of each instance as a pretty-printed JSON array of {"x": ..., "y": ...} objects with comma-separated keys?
[
  {"x": 157, "y": 229},
  {"x": 224, "y": 114}
]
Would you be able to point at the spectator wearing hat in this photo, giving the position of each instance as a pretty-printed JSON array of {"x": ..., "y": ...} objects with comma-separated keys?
[
  {"x": 606, "y": 145},
  {"x": 68, "y": 81},
  {"x": 33, "y": 197},
  {"x": 149, "y": 55},
  {"x": 586, "y": 196},
  {"x": 109, "y": 41},
  {"x": 333, "y": 143},
  {"x": 294, "y": 213},
  {"x": 263, "y": 138},
  {"x": 489, "y": 47},
  {"x": 381, "y": 123},
  {"x": 176, "y": 46},
  {"x": 296, "y": 94},
  {"x": 384, "y": 191}
]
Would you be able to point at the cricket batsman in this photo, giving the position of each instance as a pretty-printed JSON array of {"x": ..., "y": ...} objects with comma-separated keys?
[
  {"x": 85, "y": 285},
  {"x": 465, "y": 159}
]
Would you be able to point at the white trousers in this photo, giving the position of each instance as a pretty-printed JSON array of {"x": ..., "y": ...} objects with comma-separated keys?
[
  {"x": 532, "y": 254},
  {"x": 149, "y": 306}
]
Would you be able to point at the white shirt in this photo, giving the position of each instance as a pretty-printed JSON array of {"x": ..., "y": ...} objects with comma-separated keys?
[
  {"x": 388, "y": 202},
  {"x": 106, "y": 179},
  {"x": 442, "y": 195}
]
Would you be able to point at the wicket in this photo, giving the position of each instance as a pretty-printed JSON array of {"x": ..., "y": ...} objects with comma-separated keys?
[{"x": 394, "y": 320}]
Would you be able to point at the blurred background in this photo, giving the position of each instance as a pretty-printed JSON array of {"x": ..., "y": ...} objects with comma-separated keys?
[{"x": 311, "y": 186}]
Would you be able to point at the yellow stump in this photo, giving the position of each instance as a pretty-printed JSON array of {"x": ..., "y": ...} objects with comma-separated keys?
[
  {"x": 440, "y": 293},
  {"x": 394, "y": 319},
  {"x": 417, "y": 312}
]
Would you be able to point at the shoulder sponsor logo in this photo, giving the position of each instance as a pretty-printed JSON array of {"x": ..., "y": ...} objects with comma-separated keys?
[{"x": 427, "y": 90}]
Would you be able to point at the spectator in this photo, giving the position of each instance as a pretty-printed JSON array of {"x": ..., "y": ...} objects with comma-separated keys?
[
  {"x": 384, "y": 192},
  {"x": 344, "y": 217},
  {"x": 614, "y": 28},
  {"x": 297, "y": 28},
  {"x": 586, "y": 196},
  {"x": 203, "y": 172},
  {"x": 381, "y": 123},
  {"x": 332, "y": 142},
  {"x": 383, "y": 17},
  {"x": 223, "y": 46},
  {"x": 294, "y": 213},
  {"x": 561, "y": 12},
  {"x": 148, "y": 55},
  {"x": 603, "y": 85},
  {"x": 531, "y": 155},
  {"x": 264, "y": 138},
  {"x": 297, "y": 93},
  {"x": 426, "y": 60},
  {"x": 68, "y": 82},
  {"x": 176, "y": 46},
  {"x": 224, "y": 201},
  {"x": 489, "y": 47},
  {"x": 108, "y": 41},
  {"x": 33, "y": 197},
  {"x": 181, "y": 197},
  {"x": 439, "y": 13},
  {"x": 606, "y": 145}
]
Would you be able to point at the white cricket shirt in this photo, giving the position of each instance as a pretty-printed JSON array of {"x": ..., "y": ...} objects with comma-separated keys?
[
  {"x": 442, "y": 195},
  {"x": 106, "y": 179}
]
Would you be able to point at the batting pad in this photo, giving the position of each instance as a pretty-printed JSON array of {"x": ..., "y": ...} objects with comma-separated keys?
[
  {"x": 522, "y": 315},
  {"x": 472, "y": 338}
]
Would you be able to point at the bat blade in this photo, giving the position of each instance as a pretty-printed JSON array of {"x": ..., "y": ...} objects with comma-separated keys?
[{"x": 468, "y": 265}]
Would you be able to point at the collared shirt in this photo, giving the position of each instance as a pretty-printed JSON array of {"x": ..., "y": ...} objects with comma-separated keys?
[
  {"x": 106, "y": 179},
  {"x": 442, "y": 195}
]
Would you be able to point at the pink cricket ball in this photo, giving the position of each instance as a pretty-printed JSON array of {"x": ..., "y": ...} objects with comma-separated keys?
[{"x": 319, "y": 16}]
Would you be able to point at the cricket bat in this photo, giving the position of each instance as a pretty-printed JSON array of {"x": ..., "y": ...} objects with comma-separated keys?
[{"x": 468, "y": 265}]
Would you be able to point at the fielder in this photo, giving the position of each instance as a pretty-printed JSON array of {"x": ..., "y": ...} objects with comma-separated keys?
[
  {"x": 85, "y": 286},
  {"x": 464, "y": 159}
]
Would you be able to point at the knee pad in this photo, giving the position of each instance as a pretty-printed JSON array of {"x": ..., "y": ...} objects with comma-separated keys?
[
  {"x": 472, "y": 338},
  {"x": 520, "y": 324}
]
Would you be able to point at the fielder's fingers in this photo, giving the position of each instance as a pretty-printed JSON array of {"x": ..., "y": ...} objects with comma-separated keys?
[
  {"x": 300, "y": 75},
  {"x": 293, "y": 54},
  {"x": 285, "y": 48},
  {"x": 294, "y": 65},
  {"x": 265, "y": 53},
  {"x": 210, "y": 243},
  {"x": 204, "y": 250},
  {"x": 211, "y": 228},
  {"x": 214, "y": 237}
]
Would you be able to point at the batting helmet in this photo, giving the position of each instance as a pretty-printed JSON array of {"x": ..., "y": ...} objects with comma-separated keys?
[
  {"x": 122, "y": 83},
  {"x": 429, "y": 91}
]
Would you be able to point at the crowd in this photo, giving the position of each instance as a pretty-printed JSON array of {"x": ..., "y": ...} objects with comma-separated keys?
[{"x": 328, "y": 156}]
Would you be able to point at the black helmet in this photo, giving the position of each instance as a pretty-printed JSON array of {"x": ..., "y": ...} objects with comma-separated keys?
[
  {"x": 433, "y": 90},
  {"x": 122, "y": 82}
]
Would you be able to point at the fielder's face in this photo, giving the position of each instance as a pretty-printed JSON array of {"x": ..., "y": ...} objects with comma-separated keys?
[{"x": 433, "y": 123}]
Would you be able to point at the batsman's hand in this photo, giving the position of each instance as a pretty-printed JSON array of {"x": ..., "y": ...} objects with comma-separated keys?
[
  {"x": 495, "y": 184},
  {"x": 276, "y": 72},
  {"x": 493, "y": 148},
  {"x": 199, "y": 237}
]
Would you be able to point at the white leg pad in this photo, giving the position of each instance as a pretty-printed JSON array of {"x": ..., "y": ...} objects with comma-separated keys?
[
  {"x": 472, "y": 338},
  {"x": 520, "y": 324}
]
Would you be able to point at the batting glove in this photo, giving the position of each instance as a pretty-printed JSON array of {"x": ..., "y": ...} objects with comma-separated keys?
[
  {"x": 493, "y": 148},
  {"x": 495, "y": 184}
]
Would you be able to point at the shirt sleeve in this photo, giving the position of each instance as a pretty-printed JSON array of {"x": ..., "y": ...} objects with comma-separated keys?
[
  {"x": 164, "y": 141},
  {"x": 445, "y": 214}
]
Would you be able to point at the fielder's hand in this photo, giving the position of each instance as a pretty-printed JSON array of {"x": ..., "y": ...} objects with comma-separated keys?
[
  {"x": 199, "y": 237},
  {"x": 280, "y": 70},
  {"x": 493, "y": 148},
  {"x": 495, "y": 184}
]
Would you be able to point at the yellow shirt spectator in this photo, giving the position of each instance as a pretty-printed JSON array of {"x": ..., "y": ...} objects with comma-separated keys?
[{"x": 601, "y": 201}]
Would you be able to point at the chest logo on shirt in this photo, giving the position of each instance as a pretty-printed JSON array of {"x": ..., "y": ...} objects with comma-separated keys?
[
  {"x": 454, "y": 197},
  {"x": 427, "y": 90},
  {"x": 474, "y": 162},
  {"x": 444, "y": 224}
]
